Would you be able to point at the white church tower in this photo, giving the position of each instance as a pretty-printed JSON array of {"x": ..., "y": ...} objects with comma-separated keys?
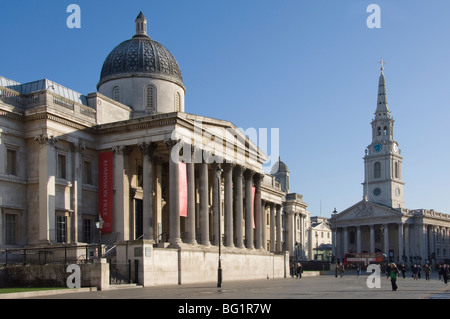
[{"x": 383, "y": 164}]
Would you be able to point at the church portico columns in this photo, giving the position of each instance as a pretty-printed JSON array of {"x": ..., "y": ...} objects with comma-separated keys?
[
  {"x": 122, "y": 193},
  {"x": 400, "y": 242},
  {"x": 174, "y": 194},
  {"x": 258, "y": 211},
  {"x": 204, "y": 205},
  {"x": 372, "y": 238}
]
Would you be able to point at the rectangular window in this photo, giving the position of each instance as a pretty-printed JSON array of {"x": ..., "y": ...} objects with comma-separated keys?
[
  {"x": 10, "y": 229},
  {"x": 87, "y": 173},
  {"x": 61, "y": 229},
  {"x": 61, "y": 167},
  {"x": 11, "y": 162},
  {"x": 87, "y": 230}
]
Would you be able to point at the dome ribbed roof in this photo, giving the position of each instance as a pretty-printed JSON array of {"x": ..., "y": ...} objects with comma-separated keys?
[{"x": 141, "y": 57}]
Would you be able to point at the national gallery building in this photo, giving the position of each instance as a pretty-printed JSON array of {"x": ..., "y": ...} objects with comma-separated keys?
[{"x": 174, "y": 185}]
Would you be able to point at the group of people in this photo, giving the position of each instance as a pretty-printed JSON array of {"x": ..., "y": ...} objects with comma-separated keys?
[
  {"x": 296, "y": 270},
  {"x": 393, "y": 272}
]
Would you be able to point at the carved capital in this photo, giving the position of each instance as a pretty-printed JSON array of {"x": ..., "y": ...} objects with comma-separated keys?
[
  {"x": 148, "y": 148},
  {"x": 45, "y": 139},
  {"x": 120, "y": 149},
  {"x": 78, "y": 147}
]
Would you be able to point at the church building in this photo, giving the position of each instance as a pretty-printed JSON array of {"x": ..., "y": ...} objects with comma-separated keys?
[
  {"x": 173, "y": 188},
  {"x": 381, "y": 222}
]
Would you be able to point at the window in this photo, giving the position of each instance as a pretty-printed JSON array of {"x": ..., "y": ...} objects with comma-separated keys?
[
  {"x": 177, "y": 102},
  {"x": 377, "y": 170},
  {"x": 10, "y": 229},
  {"x": 11, "y": 162},
  {"x": 385, "y": 130},
  {"x": 150, "y": 96},
  {"x": 87, "y": 172},
  {"x": 140, "y": 176},
  {"x": 379, "y": 131},
  {"x": 396, "y": 175},
  {"x": 116, "y": 94},
  {"x": 61, "y": 229},
  {"x": 87, "y": 230},
  {"x": 61, "y": 173}
]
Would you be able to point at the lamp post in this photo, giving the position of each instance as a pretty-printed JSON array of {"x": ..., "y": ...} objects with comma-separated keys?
[
  {"x": 335, "y": 243},
  {"x": 219, "y": 269},
  {"x": 99, "y": 225}
]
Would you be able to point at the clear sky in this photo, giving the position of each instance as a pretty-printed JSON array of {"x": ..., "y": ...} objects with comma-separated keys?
[{"x": 307, "y": 68}]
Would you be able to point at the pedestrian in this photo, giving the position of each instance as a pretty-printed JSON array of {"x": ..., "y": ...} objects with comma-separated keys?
[
  {"x": 415, "y": 270},
  {"x": 393, "y": 275},
  {"x": 419, "y": 272},
  {"x": 341, "y": 269},
  {"x": 427, "y": 270},
  {"x": 444, "y": 273},
  {"x": 292, "y": 269},
  {"x": 299, "y": 270},
  {"x": 403, "y": 270}
]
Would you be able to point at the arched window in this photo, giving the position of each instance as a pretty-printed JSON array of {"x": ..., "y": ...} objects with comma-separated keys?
[
  {"x": 150, "y": 97},
  {"x": 385, "y": 130},
  {"x": 177, "y": 102},
  {"x": 116, "y": 94},
  {"x": 377, "y": 170},
  {"x": 379, "y": 131}
]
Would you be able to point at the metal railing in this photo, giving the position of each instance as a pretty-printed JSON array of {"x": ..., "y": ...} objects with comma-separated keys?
[{"x": 66, "y": 254}]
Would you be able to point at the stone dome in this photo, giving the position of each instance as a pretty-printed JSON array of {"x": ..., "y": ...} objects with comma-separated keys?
[{"x": 141, "y": 57}]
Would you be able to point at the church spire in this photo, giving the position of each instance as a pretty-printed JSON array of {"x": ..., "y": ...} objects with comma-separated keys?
[{"x": 382, "y": 104}]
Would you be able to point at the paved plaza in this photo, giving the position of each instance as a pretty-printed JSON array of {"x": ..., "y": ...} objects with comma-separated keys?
[{"x": 350, "y": 286}]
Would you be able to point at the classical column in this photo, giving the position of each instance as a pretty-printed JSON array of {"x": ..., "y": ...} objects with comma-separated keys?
[
  {"x": 400, "y": 241},
  {"x": 272, "y": 227},
  {"x": 248, "y": 174},
  {"x": 372, "y": 238},
  {"x": 228, "y": 204},
  {"x": 121, "y": 221},
  {"x": 257, "y": 211},
  {"x": 279, "y": 245},
  {"x": 47, "y": 188},
  {"x": 290, "y": 231},
  {"x": 190, "y": 220},
  {"x": 386, "y": 239},
  {"x": 158, "y": 200},
  {"x": 263, "y": 225},
  {"x": 423, "y": 242},
  {"x": 147, "y": 190},
  {"x": 358, "y": 239},
  {"x": 216, "y": 205},
  {"x": 345, "y": 240},
  {"x": 238, "y": 206},
  {"x": 204, "y": 205},
  {"x": 407, "y": 251},
  {"x": 174, "y": 194},
  {"x": 77, "y": 192}
]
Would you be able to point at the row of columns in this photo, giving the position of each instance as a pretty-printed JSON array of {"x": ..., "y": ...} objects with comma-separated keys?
[
  {"x": 238, "y": 183},
  {"x": 412, "y": 240}
]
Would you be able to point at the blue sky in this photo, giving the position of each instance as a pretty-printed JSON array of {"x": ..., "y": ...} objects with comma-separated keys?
[{"x": 309, "y": 68}]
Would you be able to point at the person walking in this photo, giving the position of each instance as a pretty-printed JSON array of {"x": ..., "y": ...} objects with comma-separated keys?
[
  {"x": 299, "y": 270},
  {"x": 444, "y": 274},
  {"x": 394, "y": 275},
  {"x": 403, "y": 270},
  {"x": 341, "y": 269},
  {"x": 427, "y": 270},
  {"x": 415, "y": 271}
]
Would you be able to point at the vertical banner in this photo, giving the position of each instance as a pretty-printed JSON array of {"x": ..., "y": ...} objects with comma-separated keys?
[
  {"x": 105, "y": 190},
  {"x": 182, "y": 188},
  {"x": 253, "y": 205}
]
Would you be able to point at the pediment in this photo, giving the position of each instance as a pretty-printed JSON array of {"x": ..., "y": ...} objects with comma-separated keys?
[{"x": 367, "y": 210}]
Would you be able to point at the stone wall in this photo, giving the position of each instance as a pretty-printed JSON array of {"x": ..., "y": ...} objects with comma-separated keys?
[{"x": 198, "y": 264}]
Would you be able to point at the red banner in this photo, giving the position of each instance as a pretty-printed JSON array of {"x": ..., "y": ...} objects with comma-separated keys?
[
  {"x": 253, "y": 205},
  {"x": 182, "y": 174},
  {"x": 105, "y": 190}
]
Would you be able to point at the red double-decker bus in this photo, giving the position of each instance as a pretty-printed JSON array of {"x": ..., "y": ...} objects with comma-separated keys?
[{"x": 362, "y": 259}]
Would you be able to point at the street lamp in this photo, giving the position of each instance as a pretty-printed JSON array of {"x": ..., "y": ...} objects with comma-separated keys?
[
  {"x": 335, "y": 242},
  {"x": 219, "y": 269},
  {"x": 99, "y": 225}
]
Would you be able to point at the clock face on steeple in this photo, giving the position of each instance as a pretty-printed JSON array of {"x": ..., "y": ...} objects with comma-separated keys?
[{"x": 377, "y": 147}]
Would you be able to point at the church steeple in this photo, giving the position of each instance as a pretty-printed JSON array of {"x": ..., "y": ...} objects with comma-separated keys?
[{"x": 383, "y": 163}]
